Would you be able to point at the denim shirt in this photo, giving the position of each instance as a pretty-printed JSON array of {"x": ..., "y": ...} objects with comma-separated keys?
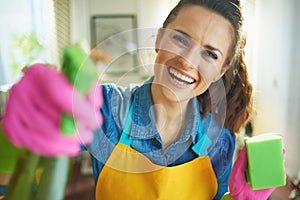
[{"x": 145, "y": 137}]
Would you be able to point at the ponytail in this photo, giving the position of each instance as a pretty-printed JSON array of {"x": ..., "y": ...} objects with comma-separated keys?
[{"x": 238, "y": 96}]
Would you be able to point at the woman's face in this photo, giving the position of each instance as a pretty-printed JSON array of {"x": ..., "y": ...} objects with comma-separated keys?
[{"x": 191, "y": 53}]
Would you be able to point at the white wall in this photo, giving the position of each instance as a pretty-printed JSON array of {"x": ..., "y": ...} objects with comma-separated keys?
[
  {"x": 274, "y": 73},
  {"x": 271, "y": 64},
  {"x": 293, "y": 106},
  {"x": 149, "y": 14},
  {"x": 82, "y": 10}
]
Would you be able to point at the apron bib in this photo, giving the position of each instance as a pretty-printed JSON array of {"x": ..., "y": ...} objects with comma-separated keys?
[{"x": 129, "y": 175}]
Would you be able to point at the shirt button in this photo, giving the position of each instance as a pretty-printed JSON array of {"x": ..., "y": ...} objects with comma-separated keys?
[{"x": 168, "y": 156}]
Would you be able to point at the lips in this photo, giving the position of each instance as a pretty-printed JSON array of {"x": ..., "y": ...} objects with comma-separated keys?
[{"x": 179, "y": 77}]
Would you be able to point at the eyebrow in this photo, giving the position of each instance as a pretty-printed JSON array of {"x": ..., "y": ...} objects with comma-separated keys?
[
  {"x": 213, "y": 49},
  {"x": 206, "y": 46},
  {"x": 184, "y": 33}
]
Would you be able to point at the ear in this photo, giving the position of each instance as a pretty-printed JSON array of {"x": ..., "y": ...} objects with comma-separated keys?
[{"x": 157, "y": 41}]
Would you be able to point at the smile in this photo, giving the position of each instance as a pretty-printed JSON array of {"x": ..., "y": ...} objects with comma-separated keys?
[{"x": 180, "y": 78}]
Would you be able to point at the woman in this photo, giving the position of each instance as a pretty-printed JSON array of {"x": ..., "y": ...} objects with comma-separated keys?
[
  {"x": 200, "y": 43},
  {"x": 173, "y": 137}
]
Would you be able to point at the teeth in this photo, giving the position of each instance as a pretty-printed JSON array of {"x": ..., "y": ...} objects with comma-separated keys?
[
  {"x": 179, "y": 82},
  {"x": 181, "y": 76}
]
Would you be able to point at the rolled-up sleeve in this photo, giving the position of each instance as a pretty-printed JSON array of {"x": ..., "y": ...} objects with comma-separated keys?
[{"x": 221, "y": 157}]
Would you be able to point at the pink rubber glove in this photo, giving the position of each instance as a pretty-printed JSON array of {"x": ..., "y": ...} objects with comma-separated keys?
[
  {"x": 34, "y": 109},
  {"x": 238, "y": 186}
]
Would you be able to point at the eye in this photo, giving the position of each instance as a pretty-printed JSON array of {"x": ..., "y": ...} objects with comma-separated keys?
[
  {"x": 210, "y": 55},
  {"x": 180, "y": 40}
]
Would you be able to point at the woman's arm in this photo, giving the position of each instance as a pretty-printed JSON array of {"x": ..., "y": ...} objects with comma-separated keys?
[{"x": 221, "y": 157}]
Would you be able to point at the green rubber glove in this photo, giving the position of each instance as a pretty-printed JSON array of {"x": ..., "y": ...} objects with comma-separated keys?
[{"x": 81, "y": 71}]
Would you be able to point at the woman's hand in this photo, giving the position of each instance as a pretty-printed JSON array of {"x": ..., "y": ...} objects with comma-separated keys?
[
  {"x": 35, "y": 105},
  {"x": 238, "y": 186}
]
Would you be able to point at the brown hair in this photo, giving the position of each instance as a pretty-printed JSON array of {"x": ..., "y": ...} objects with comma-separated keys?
[{"x": 238, "y": 88}]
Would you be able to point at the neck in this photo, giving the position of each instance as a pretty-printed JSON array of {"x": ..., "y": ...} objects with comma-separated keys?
[
  {"x": 168, "y": 110},
  {"x": 169, "y": 116}
]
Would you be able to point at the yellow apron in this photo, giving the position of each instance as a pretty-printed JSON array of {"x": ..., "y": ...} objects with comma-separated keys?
[{"x": 129, "y": 175}]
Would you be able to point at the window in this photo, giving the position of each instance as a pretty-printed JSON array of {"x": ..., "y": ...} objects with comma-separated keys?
[{"x": 25, "y": 36}]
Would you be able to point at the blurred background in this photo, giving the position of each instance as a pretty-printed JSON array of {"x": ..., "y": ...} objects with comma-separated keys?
[{"x": 34, "y": 30}]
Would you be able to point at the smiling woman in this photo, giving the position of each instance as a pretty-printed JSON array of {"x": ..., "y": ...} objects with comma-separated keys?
[
  {"x": 194, "y": 48},
  {"x": 215, "y": 36}
]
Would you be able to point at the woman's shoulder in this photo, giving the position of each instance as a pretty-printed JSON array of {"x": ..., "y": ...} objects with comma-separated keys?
[
  {"x": 227, "y": 135},
  {"x": 215, "y": 127},
  {"x": 223, "y": 140}
]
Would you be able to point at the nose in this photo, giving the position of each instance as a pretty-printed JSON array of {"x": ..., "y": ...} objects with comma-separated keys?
[{"x": 189, "y": 58}]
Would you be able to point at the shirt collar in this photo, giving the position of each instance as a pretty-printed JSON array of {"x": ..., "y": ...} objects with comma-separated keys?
[{"x": 143, "y": 124}]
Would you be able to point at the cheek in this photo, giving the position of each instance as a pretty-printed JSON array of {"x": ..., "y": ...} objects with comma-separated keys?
[
  {"x": 162, "y": 57},
  {"x": 157, "y": 65},
  {"x": 201, "y": 88},
  {"x": 209, "y": 74},
  {"x": 161, "y": 60}
]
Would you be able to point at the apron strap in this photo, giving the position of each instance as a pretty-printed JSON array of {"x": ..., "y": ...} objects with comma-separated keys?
[
  {"x": 125, "y": 139},
  {"x": 125, "y": 135},
  {"x": 203, "y": 143}
]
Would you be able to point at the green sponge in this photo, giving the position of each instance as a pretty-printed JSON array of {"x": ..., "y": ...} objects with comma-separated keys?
[{"x": 265, "y": 161}]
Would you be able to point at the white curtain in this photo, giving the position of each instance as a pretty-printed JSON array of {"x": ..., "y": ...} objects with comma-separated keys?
[
  {"x": 14, "y": 20},
  {"x": 47, "y": 20}
]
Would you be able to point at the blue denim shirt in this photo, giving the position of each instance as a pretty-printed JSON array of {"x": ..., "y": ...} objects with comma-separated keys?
[{"x": 145, "y": 137}]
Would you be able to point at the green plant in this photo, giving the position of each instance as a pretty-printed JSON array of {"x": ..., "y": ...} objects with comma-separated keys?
[{"x": 25, "y": 49}]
